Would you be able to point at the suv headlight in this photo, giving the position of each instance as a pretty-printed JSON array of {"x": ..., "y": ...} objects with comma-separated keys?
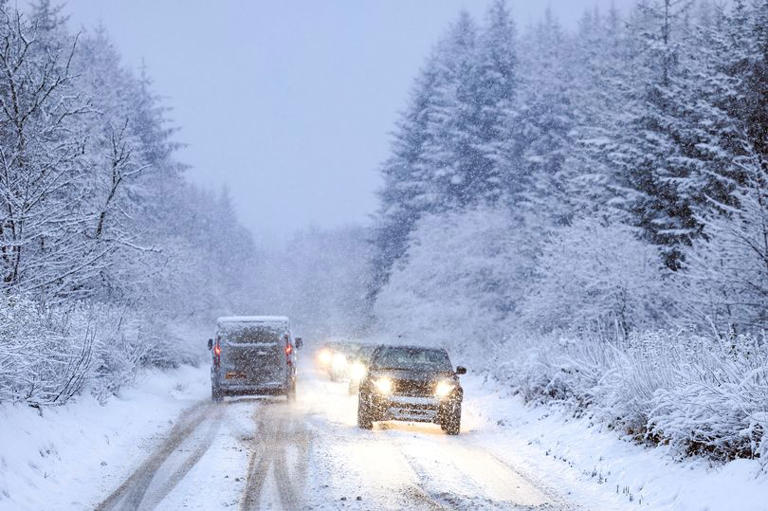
[
  {"x": 443, "y": 389},
  {"x": 383, "y": 385}
]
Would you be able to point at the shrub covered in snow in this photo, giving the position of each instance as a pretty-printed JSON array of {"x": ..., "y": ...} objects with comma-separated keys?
[
  {"x": 701, "y": 395},
  {"x": 462, "y": 276},
  {"x": 50, "y": 354},
  {"x": 596, "y": 276},
  {"x": 44, "y": 358}
]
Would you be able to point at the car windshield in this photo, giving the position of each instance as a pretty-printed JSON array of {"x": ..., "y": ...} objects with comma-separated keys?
[
  {"x": 412, "y": 358},
  {"x": 366, "y": 351}
]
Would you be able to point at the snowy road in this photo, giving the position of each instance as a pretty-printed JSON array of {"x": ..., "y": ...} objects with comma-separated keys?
[{"x": 270, "y": 454}]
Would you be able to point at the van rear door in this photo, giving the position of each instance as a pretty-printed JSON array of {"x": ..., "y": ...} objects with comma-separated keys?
[{"x": 254, "y": 355}]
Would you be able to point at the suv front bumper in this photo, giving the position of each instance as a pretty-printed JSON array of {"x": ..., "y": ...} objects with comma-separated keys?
[{"x": 411, "y": 408}]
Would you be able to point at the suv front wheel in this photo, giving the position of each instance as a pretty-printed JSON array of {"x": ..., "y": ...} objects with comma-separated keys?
[
  {"x": 451, "y": 422},
  {"x": 364, "y": 419}
]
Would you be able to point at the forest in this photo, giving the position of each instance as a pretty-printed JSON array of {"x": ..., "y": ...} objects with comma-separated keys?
[
  {"x": 106, "y": 250},
  {"x": 584, "y": 214},
  {"x": 581, "y": 214}
]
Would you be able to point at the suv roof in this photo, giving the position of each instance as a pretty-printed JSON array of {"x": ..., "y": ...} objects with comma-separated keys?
[{"x": 411, "y": 347}]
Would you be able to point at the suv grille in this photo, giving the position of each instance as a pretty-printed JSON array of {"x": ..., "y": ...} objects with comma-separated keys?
[{"x": 414, "y": 388}]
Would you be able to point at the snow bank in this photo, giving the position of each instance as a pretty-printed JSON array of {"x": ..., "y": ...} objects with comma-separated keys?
[
  {"x": 599, "y": 470},
  {"x": 701, "y": 396},
  {"x": 62, "y": 451}
]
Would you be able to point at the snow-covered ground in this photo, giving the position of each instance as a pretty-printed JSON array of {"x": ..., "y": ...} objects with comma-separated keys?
[
  {"x": 162, "y": 445},
  {"x": 601, "y": 471},
  {"x": 71, "y": 457}
]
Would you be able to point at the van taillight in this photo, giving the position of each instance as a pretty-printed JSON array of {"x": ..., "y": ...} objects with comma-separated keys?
[
  {"x": 217, "y": 350},
  {"x": 288, "y": 349}
]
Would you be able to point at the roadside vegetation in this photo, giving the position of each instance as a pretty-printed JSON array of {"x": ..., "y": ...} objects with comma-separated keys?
[
  {"x": 107, "y": 252},
  {"x": 584, "y": 214},
  {"x": 110, "y": 259}
]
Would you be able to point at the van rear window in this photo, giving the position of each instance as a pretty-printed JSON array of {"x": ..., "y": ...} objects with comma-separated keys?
[{"x": 260, "y": 334}]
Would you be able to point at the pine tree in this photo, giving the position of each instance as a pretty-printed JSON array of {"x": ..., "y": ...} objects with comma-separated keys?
[
  {"x": 601, "y": 80},
  {"x": 541, "y": 126},
  {"x": 652, "y": 166},
  {"x": 756, "y": 104},
  {"x": 408, "y": 192},
  {"x": 497, "y": 87},
  {"x": 448, "y": 149},
  {"x": 453, "y": 149}
]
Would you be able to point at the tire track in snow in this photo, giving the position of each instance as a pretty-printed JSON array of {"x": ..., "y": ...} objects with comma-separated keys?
[
  {"x": 130, "y": 495},
  {"x": 277, "y": 430},
  {"x": 481, "y": 480},
  {"x": 188, "y": 463}
]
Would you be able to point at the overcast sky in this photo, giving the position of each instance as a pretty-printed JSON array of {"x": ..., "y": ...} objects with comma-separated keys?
[{"x": 288, "y": 102}]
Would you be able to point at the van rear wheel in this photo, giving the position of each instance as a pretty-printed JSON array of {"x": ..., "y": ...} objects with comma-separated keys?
[
  {"x": 291, "y": 393},
  {"x": 216, "y": 395}
]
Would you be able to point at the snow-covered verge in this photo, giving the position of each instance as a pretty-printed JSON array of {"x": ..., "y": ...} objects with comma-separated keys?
[
  {"x": 596, "y": 468},
  {"x": 699, "y": 396},
  {"x": 63, "y": 450}
]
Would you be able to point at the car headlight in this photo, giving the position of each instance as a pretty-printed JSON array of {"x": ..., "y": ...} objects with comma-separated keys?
[
  {"x": 443, "y": 389},
  {"x": 325, "y": 356},
  {"x": 357, "y": 371},
  {"x": 339, "y": 361},
  {"x": 383, "y": 385}
]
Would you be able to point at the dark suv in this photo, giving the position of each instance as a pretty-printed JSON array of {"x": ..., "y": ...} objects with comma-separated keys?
[{"x": 411, "y": 383}]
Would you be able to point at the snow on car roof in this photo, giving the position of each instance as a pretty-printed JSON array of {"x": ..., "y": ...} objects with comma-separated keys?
[{"x": 252, "y": 319}]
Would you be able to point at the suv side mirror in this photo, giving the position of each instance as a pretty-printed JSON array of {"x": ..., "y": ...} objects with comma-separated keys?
[
  {"x": 461, "y": 370},
  {"x": 210, "y": 344},
  {"x": 299, "y": 343}
]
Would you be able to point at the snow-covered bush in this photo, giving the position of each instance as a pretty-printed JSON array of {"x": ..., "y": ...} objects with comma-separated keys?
[
  {"x": 698, "y": 394},
  {"x": 719, "y": 402},
  {"x": 726, "y": 275},
  {"x": 44, "y": 357},
  {"x": 50, "y": 354},
  {"x": 596, "y": 278},
  {"x": 461, "y": 278}
]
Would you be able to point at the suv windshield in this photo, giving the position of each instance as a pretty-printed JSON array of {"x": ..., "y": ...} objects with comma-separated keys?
[{"x": 411, "y": 358}]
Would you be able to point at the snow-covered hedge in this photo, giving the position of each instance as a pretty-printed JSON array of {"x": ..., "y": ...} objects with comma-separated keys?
[
  {"x": 50, "y": 354},
  {"x": 703, "y": 396},
  {"x": 594, "y": 275},
  {"x": 462, "y": 275}
]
